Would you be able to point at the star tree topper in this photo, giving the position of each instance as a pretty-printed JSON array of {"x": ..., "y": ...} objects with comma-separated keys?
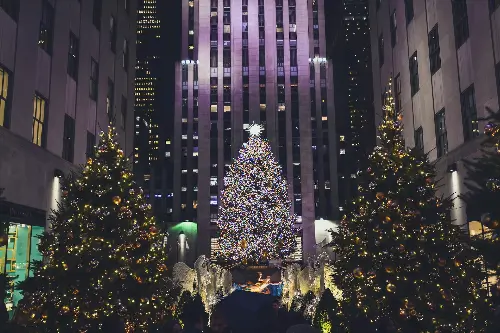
[{"x": 255, "y": 129}]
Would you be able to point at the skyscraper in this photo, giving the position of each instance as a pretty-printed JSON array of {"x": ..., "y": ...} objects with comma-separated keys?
[
  {"x": 254, "y": 61},
  {"x": 149, "y": 154},
  {"x": 348, "y": 38}
]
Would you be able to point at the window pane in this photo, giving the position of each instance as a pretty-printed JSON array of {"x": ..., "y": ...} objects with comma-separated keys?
[
  {"x": 5, "y": 85},
  {"x": 35, "y": 132},
  {"x": 39, "y": 136},
  {"x": 42, "y": 110},
  {"x": 2, "y": 112}
]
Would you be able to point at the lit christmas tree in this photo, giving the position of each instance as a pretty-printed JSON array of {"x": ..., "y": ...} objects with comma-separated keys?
[
  {"x": 483, "y": 183},
  {"x": 401, "y": 260},
  {"x": 255, "y": 220},
  {"x": 104, "y": 257}
]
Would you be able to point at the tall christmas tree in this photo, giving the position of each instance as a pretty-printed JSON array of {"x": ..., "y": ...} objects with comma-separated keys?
[
  {"x": 482, "y": 198},
  {"x": 401, "y": 259},
  {"x": 255, "y": 220},
  {"x": 104, "y": 255}
]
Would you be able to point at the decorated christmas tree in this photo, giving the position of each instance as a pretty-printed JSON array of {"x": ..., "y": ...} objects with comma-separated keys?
[
  {"x": 482, "y": 198},
  {"x": 104, "y": 256},
  {"x": 401, "y": 259},
  {"x": 255, "y": 220}
]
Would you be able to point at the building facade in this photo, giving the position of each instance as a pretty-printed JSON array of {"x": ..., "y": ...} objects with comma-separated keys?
[
  {"x": 348, "y": 37},
  {"x": 444, "y": 58},
  {"x": 254, "y": 61},
  {"x": 66, "y": 70},
  {"x": 151, "y": 166}
]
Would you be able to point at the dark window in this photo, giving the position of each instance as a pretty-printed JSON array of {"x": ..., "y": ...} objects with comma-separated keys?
[
  {"x": 125, "y": 55},
  {"x": 414, "y": 80},
  {"x": 39, "y": 121},
  {"x": 96, "y": 14},
  {"x": 112, "y": 33},
  {"x": 4, "y": 97},
  {"x": 397, "y": 101},
  {"x": 434, "y": 50},
  {"x": 441, "y": 137},
  {"x": 110, "y": 100},
  {"x": 90, "y": 144},
  {"x": 419, "y": 138},
  {"x": 46, "y": 32},
  {"x": 469, "y": 113},
  {"x": 68, "y": 139},
  {"x": 394, "y": 29},
  {"x": 11, "y": 7},
  {"x": 494, "y": 4},
  {"x": 409, "y": 11},
  {"x": 94, "y": 79},
  {"x": 124, "y": 112},
  {"x": 126, "y": 5},
  {"x": 381, "y": 50},
  {"x": 460, "y": 21},
  {"x": 378, "y": 2},
  {"x": 73, "y": 56}
]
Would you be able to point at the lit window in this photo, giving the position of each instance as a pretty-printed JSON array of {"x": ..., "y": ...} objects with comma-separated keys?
[
  {"x": 342, "y": 138},
  {"x": 38, "y": 120},
  {"x": 4, "y": 89},
  {"x": 342, "y": 151}
]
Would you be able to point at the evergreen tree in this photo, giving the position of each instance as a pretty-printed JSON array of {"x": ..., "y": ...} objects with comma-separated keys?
[
  {"x": 327, "y": 316},
  {"x": 255, "y": 221},
  {"x": 482, "y": 198},
  {"x": 400, "y": 257},
  {"x": 104, "y": 257}
]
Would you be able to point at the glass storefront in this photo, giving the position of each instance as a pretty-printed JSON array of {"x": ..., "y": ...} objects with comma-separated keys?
[{"x": 25, "y": 225}]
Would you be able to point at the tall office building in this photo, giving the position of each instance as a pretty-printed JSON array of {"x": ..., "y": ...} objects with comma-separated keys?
[
  {"x": 444, "y": 57},
  {"x": 348, "y": 37},
  {"x": 66, "y": 69},
  {"x": 150, "y": 160},
  {"x": 254, "y": 61}
]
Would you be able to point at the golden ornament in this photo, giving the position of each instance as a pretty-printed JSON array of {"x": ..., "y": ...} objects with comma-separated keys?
[
  {"x": 458, "y": 263},
  {"x": 358, "y": 272},
  {"x": 120, "y": 152},
  {"x": 153, "y": 230},
  {"x": 65, "y": 309},
  {"x": 244, "y": 244},
  {"x": 389, "y": 269},
  {"x": 380, "y": 195},
  {"x": 357, "y": 240},
  {"x": 139, "y": 280},
  {"x": 162, "y": 267},
  {"x": 401, "y": 248},
  {"x": 117, "y": 200},
  {"x": 390, "y": 288},
  {"x": 387, "y": 219}
]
